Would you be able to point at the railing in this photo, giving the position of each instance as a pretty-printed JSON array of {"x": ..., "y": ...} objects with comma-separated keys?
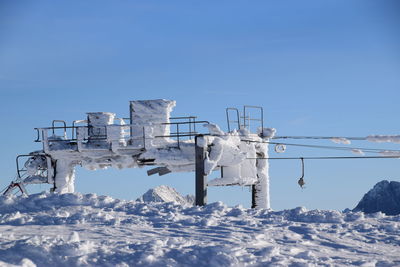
[
  {"x": 191, "y": 122},
  {"x": 64, "y": 127},
  {"x": 74, "y": 125},
  {"x": 85, "y": 134},
  {"x": 247, "y": 118},
  {"x": 181, "y": 134},
  {"x": 22, "y": 171},
  {"x": 229, "y": 121}
]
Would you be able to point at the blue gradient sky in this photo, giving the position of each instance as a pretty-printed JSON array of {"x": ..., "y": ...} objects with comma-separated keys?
[{"x": 317, "y": 68}]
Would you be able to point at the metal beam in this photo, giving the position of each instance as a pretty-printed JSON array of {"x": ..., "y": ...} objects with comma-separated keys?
[
  {"x": 163, "y": 171},
  {"x": 160, "y": 170},
  {"x": 253, "y": 196},
  {"x": 201, "y": 178},
  {"x": 153, "y": 171}
]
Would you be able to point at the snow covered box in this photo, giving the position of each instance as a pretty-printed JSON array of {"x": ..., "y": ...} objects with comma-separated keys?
[
  {"x": 97, "y": 122},
  {"x": 150, "y": 118}
]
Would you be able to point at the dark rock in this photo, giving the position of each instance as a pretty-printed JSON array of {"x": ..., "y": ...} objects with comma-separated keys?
[{"x": 384, "y": 197}]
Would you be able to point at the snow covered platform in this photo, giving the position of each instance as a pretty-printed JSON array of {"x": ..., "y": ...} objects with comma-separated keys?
[
  {"x": 151, "y": 137},
  {"x": 90, "y": 230}
]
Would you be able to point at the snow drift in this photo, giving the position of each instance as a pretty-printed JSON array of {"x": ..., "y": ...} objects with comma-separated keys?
[
  {"x": 384, "y": 197},
  {"x": 90, "y": 230}
]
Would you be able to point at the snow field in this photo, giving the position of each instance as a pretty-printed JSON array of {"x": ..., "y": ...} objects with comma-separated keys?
[{"x": 90, "y": 230}]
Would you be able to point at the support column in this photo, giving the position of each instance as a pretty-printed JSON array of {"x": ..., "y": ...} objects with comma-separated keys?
[
  {"x": 260, "y": 190},
  {"x": 64, "y": 179},
  {"x": 253, "y": 196},
  {"x": 201, "y": 178}
]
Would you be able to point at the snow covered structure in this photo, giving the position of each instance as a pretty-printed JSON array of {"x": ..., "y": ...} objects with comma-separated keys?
[{"x": 150, "y": 137}]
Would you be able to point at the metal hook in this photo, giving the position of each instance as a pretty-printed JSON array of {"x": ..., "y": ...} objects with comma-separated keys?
[{"x": 301, "y": 180}]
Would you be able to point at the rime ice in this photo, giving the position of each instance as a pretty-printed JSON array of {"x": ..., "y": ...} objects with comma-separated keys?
[{"x": 150, "y": 136}]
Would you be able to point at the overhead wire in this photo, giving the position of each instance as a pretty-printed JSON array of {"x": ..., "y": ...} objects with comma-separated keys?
[
  {"x": 368, "y": 150},
  {"x": 331, "y": 157},
  {"x": 320, "y": 137}
]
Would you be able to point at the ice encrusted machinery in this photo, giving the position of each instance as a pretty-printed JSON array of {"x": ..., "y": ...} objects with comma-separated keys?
[{"x": 150, "y": 137}]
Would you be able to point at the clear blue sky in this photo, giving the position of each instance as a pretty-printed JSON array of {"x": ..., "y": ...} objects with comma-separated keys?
[{"x": 317, "y": 68}]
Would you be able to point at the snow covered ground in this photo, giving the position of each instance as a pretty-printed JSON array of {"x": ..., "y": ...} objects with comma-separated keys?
[{"x": 75, "y": 229}]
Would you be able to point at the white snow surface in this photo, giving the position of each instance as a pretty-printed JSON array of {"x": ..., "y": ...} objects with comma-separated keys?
[{"x": 90, "y": 230}]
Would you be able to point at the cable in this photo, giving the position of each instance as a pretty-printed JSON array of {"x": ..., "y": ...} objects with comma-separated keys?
[
  {"x": 369, "y": 150},
  {"x": 318, "y": 137},
  {"x": 334, "y": 157}
]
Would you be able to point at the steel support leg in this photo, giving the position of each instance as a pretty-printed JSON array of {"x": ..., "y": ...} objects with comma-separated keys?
[
  {"x": 201, "y": 178},
  {"x": 253, "y": 196}
]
